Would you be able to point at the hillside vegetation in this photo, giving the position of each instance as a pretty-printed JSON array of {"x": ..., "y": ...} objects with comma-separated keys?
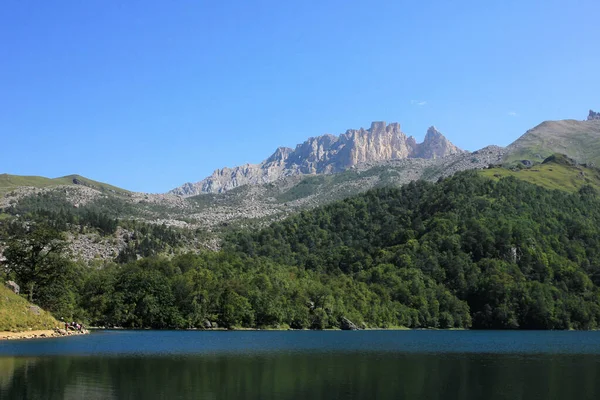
[
  {"x": 467, "y": 251},
  {"x": 518, "y": 255},
  {"x": 579, "y": 140},
  {"x": 102, "y": 223},
  {"x": 556, "y": 172},
  {"x": 17, "y": 314},
  {"x": 12, "y": 182}
]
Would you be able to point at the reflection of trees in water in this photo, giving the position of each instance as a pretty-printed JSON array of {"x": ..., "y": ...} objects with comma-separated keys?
[
  {"x": 50, "y": 378},
  {"x": 8, "y": 365},
  {"x": 297, "y": 376}
]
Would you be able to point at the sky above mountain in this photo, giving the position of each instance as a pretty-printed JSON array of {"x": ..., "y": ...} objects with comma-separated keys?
[{"x": 147, "y": 95}]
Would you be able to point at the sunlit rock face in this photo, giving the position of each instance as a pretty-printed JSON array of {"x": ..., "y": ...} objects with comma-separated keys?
[{"x": 327, "y": 154}]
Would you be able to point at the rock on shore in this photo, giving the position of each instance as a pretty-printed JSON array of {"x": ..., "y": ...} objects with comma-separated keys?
[{"x": 41, "y": 334}]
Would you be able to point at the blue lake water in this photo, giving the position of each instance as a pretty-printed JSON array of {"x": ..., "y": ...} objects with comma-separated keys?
[{"x": 304, "y": 365}]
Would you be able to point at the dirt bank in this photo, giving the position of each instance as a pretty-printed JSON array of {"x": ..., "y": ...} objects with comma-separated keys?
[{"x": 40, "y": 334}]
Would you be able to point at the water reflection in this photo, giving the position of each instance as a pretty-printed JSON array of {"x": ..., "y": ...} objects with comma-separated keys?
[
  {"x": 8, "y": 365},
  {"x": 302, "y": 376}
]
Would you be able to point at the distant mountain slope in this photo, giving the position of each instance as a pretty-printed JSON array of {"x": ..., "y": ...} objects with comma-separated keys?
[
  {"x": 520, "y": 256},
  {"x": 204, "y": 218},
  {"x": 327, "y": 154},
  {"x": 12, "y": 182},
  {"x": 579, "y": 140},
  {"x": 556, "y": 172},
  {"x": 308, "y": 191},
  {"x": 207, "y": 216}
]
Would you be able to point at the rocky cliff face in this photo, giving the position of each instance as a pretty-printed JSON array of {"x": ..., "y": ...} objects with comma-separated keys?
[
  {"x": 435, "y": 145},
  {"x": 593, "y": 116},
  {"x": 327, "y": 154}
]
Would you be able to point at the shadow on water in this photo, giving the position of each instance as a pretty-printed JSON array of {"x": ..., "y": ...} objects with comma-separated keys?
[{"x": 302, "y": 376}]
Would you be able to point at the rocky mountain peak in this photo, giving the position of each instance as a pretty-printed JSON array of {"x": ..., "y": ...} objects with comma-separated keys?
[
  {"x": 433, "y": 134},
  {"x": 327, "y": 154},
  {"x": 593, "y": 116},
  {"x": 377, "y": 126},
  {"x": 281, "y": 154},
  {"x": 435, "y": 145}
]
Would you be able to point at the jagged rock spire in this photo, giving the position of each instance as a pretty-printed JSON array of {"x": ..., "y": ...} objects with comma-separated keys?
[{"x": 327, "y": 154}]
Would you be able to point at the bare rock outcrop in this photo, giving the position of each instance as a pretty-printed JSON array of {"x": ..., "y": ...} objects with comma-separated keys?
[
  {"x": 12, "y": 285},
  {"x": 435, "y": 145},
  {"x": 347, "y": 325},
  {"x": 327, "y": 154}
]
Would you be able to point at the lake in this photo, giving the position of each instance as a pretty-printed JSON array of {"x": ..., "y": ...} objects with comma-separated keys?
[{"x": 310, "y": 365}]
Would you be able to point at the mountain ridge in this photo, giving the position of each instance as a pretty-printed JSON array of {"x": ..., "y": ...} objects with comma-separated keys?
[
  {"x": 205, "y": 217},
  {"x": 576, "y": 139},
  {"x": 327, "y": 154},
  {"x": 9, "y": 182}
]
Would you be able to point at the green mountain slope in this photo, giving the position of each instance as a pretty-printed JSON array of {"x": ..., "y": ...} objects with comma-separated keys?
[
  {"x": 556, "y": 172},
  {"x": 464, "y": 251},
  {"x": 519, "y": 255},
  {"x": 12, "y": 182},
  {"x": 579, "y": 140},
  {"x": 16, "y": 314}
]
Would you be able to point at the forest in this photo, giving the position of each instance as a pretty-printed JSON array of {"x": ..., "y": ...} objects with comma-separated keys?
[{"x": 464, "y": 252}]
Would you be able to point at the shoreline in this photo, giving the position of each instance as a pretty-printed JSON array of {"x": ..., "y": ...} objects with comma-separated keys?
[
  {"x": 40, "y": 334},
  {"x": 269, "y": 329}
]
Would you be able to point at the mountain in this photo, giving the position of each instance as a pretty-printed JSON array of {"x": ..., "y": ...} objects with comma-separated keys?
[
  {"x": 487, "y": 248},
  {"x": 11, "y": 182},
  {"x": 200, "y": 221},
  {"x": 325, "y": 155},
  {"x": 516, "y": 254},
  {"x": 555, "y": 172},
  {"x": 579, "y": 140}
]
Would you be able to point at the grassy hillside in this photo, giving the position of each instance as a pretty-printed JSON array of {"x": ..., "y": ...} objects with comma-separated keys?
[
  {"x": 556, "y": 172},
  {"x": 11, "y": 182},
  {"x": 579, "y": 140},
  {"x": 16, "y": 315}
]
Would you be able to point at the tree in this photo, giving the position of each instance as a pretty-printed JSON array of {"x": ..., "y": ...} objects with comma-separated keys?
[{"x": 35, "y": 256}]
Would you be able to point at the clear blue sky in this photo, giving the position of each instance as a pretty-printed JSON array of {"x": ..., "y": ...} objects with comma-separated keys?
[{"x": 148, "y": 95}]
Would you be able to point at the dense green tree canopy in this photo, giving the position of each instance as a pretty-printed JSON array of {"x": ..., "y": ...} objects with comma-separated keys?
[
  {"x": 520, "y": 256},
  {"x": 35, "y": 256},
  {"x": 463, "y": 252}
]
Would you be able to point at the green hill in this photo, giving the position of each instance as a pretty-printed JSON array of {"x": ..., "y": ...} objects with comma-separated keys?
[
  {"x": 555, "y": 172},
  {"x": 579, "y": 140},
  {"x": 17, "y": 314},
  {"x": 12, "y": 182},
  {"x": 466, "y": 251},
  {"x": 516, "y": 254}
]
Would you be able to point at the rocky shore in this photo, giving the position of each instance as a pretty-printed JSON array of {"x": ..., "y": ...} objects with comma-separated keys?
[{"x": 41, "y": 334}]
